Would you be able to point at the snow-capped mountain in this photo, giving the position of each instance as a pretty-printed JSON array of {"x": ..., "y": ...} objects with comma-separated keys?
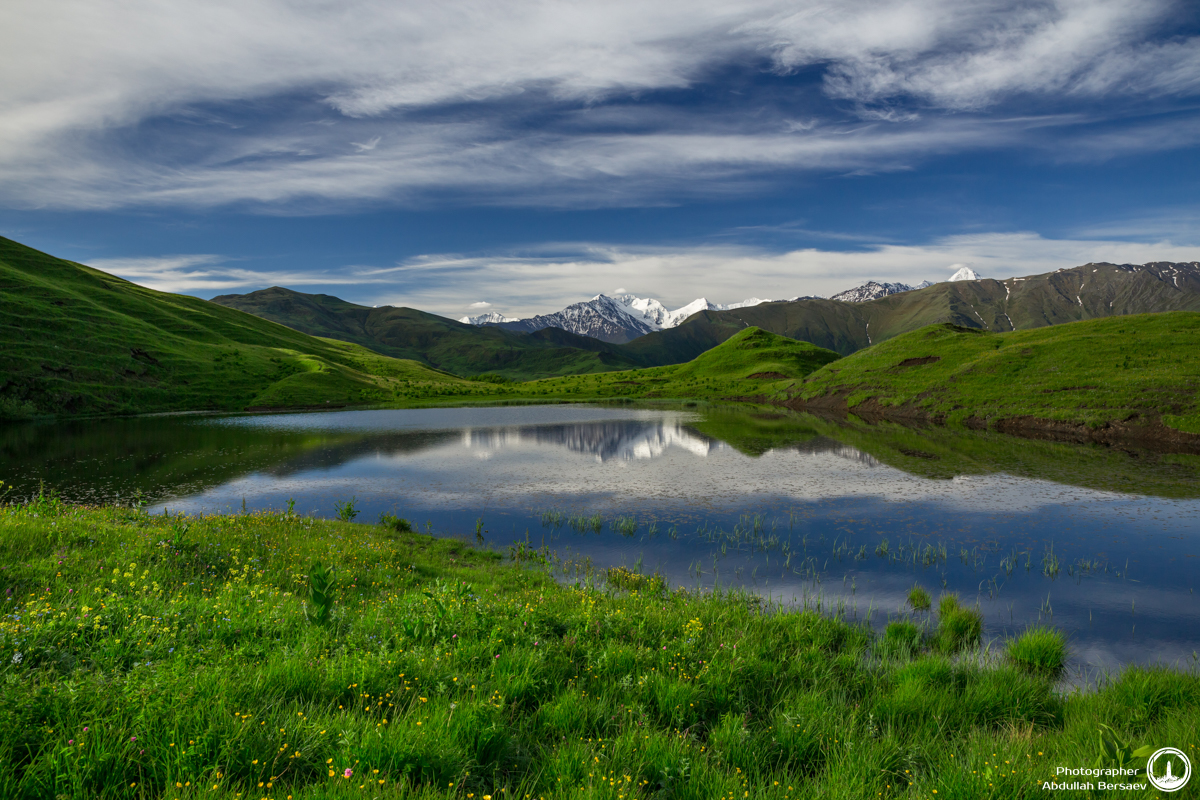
[
  {"x": 490, "y": 318},
  {"x": 611, "y": 319},
  {"x": 600, "y": 318},
  {"x": 966, "y": 274},
  {"x": 656, "y": 313},
  {"x": 872, "y": 290}
]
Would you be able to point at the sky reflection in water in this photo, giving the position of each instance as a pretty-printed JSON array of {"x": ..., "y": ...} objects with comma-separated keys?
[{"x": 802, "y": 518}]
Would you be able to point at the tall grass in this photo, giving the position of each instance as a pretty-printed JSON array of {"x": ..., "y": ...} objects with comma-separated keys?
[
  {"x": 147, "y": 657},
  {"x": 1039, "y": 650}
]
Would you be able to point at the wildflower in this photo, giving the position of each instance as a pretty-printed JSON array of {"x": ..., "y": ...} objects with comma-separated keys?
[{"x": 347, "y": 773}]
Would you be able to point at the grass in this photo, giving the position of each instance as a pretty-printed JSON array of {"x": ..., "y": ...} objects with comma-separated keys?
[
  {"x": 172, "y": 656},
  {"x": 919, "y": 599},
  {"x": 959, "y": 628},
  {"x": 1141, "y": 368},
  {"x": 1039, "y": 650},
  {"x": 748, "y": 366},
  {"x": 148, "y": 351}
]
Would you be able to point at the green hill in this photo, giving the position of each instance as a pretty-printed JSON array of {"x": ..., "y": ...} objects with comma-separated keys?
[
  {"x": 748, "y": 365},
  {"x": 1135, "y": 373},
  {"x": 437, "y": 341},
  {"x": 75, "y": 340}
]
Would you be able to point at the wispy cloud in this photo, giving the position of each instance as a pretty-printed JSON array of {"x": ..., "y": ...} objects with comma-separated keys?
[
  {"x": 436, "y": 98},
  {"x": 206, "y": 274}
]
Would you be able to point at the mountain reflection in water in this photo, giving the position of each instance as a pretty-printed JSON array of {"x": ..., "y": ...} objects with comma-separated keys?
[{"x": 801, "y": 508}]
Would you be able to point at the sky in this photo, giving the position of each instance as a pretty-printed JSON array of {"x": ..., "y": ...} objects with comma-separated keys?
[{"x": 461, "y": 157}]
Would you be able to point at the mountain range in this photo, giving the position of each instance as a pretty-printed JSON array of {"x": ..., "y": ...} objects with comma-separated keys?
[
  {"x": 625, "y": 317},
  {"x": 610, "y": 319},
  {"x": 1084, "y": 292}
]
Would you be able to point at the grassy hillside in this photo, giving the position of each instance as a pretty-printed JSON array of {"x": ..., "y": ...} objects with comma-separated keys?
[
  {"x": 433, "y": 340},
  {"x": 1135, "y": 369},
  {"x": 751, "y": 363},
  {"x": 1090, "y": 291},
  {"x": 75, "y": 340},
  {"x": 149, "y": 657}
]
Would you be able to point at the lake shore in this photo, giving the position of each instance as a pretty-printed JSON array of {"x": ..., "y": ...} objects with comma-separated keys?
[{"x": 171, "y": 656}]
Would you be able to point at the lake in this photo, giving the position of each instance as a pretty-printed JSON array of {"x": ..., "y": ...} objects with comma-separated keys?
[{"x": 837, "y": 514}]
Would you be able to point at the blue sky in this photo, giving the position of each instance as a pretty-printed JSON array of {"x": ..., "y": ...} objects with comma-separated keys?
[{"x": 463, "y": 156}]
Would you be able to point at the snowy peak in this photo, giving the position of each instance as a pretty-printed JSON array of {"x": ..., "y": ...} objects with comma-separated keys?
[
  {"x": 965, "y": 274},
  {"x": 648, "y": 309},
  {"x": 490, "y": 318},
  {"x": 656, "y": 313},
  {"x": 873, "y": 291},
  {"x": 610, "y": 319},
  {"x": 601, "y": 318}
]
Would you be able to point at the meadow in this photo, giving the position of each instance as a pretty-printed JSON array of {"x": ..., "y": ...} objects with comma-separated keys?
[
  {"x": 273, "y": 655},
  {"x": 1139, "y": 369}
]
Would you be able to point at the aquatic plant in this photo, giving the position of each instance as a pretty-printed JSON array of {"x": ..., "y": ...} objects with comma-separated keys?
[
  {"x": 1039, "y": 650},
  {"x": 919, "y": 599},
  {"x": 626, "y": 526},
  {"x": 958, "y": 627}
]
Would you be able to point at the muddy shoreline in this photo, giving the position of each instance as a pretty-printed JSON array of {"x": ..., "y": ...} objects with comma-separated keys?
[{"x": 1146, "y": 433}]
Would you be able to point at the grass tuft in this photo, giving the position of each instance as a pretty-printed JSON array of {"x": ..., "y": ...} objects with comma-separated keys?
[
  {"x": 1039, "y": 650},
  {"x": 919, "y": 598}
]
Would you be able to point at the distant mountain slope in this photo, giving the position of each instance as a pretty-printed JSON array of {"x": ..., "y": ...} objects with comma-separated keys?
[
  {"x": 1086, "y": 292},
  {"x": 75, "y": 340},
  {"x": 440, "y": 342}
]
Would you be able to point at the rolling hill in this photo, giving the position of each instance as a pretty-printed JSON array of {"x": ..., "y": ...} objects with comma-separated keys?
[
  {"x": 437, "y": 341},
  {"x": 747, "y": 365},
  {"x": 1109, "y": 379},
  {"x": 77, "y": 341}
]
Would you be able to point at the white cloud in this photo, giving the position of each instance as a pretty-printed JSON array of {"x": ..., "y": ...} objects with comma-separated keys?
[
  {"x": 428, "y": 97},
  {"x": 545, "y": 278},
  {"x": 206, "y": 274}
]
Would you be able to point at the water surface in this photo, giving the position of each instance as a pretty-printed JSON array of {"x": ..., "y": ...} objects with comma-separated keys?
[{"x": 1102, "y": 543}]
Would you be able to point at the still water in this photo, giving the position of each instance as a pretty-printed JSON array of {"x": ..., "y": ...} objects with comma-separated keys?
[{"x": 1102, "y": 543}]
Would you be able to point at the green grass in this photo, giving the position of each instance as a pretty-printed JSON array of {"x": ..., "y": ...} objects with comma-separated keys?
[
  {"x": 919, "y": 599},
  {"x": 148, "y": 657},
  {"x": 1140, "y": 368},
  {"x": 77, "y": 341},
  {"x": 959, "y": 628},
  {"x": 1039, "y": 650},
  {"x": 750, "y": 365}
]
